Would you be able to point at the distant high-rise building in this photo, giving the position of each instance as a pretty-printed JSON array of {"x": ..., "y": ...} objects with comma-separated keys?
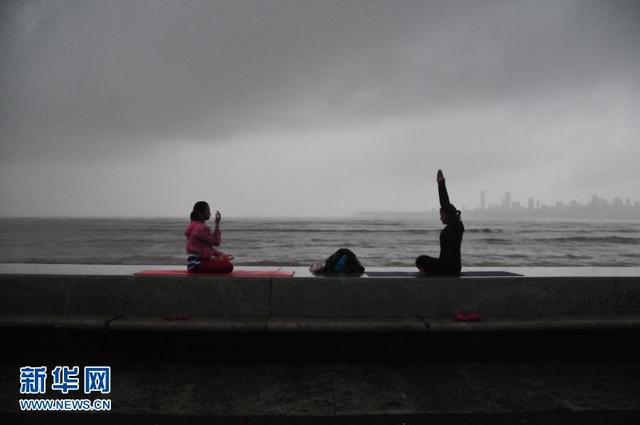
[
  {"x": 482, "y": 200},
  {"x": 530, "y": 204},
  {"x": 506, "y": 201}
]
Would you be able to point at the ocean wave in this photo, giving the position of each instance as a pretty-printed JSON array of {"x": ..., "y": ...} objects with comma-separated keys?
[
  {"x": 300, "y": 243},
  {"x": 496, "y": 241},
  {"x": 591, "y": 239},
  {"x": 336, "y": 230},
  {"x": 484, "y": 230},
  {"x": 576, "y": 257}
]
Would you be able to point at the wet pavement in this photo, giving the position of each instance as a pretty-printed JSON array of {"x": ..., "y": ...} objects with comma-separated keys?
[{"x": 589, "y": 378}]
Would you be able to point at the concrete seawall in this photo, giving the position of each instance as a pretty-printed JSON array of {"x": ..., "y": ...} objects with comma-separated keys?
[
  {"x": 320, "y": 350},
  {"x": 310, "y": 304}
]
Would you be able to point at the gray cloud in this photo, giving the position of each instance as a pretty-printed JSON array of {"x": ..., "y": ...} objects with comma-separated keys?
[
  {"x": 494, "y": 81},
  {"x": 207, "y": 70}
]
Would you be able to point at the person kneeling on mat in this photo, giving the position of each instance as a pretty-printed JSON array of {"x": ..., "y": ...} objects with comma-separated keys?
[{"x": 202, "y": 256}]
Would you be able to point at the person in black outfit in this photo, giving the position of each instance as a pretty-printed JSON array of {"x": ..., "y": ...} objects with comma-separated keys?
[{"x": 449, "y": 262}]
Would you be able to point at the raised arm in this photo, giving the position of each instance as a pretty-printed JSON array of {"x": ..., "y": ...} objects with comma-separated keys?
[{"x": 442, "y": 190}]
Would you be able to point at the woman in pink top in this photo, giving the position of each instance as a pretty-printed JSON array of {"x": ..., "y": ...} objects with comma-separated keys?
[{"x": 202, "y": 256}]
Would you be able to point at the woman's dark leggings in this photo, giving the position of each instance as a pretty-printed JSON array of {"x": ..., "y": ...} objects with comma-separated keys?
[{"x": 433, "y": 265}]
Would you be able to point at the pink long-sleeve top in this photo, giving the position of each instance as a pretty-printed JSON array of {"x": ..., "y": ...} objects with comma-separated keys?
[{"x": 201, "y": 241}]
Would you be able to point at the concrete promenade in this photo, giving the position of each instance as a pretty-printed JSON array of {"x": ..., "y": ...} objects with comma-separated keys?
[
  {"x": 112, "y": 298},
  {"x": 556, "y": 346}
]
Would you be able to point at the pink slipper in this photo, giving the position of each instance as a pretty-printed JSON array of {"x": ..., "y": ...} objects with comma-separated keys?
[
  {"x": 174, "y": 318},
  {"x": 468, "y": 316}
]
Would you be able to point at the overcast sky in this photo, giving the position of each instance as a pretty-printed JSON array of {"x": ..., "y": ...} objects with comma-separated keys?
[{"x": 314, "y": 108}]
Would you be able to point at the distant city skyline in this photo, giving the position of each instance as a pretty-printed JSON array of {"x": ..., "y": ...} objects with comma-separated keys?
[
  {"x": 596, "y": 208},
  {"x": 596, "y": 201}
]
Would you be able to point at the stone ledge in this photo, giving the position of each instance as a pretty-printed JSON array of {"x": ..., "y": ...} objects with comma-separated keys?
[
  {"x": 55, "y": 322},
  {"x": 312, "y": 325},
  {"x": 345, "y": 325},
  {"x": 547, "y": 324},
  {"x": 196, "y": 324}
]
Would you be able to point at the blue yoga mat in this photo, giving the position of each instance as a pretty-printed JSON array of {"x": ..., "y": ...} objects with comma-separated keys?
[{"x": 488, "y": 273}]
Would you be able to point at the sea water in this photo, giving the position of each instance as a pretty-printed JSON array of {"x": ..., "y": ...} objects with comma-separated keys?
[{"x": 300, "y": 242}]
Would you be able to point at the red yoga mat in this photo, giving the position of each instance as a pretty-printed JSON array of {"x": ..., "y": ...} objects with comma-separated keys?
[{"x": 235, "y": 273}]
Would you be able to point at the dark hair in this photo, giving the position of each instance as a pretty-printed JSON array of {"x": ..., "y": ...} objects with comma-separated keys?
[
  {"x": 451, "y": 212},
  {"x": 199, "y": 208}
]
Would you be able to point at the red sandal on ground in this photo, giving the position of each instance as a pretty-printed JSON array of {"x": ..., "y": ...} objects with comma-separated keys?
[{"x": 468, "y": 316}]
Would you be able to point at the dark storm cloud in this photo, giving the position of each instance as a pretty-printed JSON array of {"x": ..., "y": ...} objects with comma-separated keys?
[
  {"x": 96, "y": 76},
  {"x": 166, "y": 69}
]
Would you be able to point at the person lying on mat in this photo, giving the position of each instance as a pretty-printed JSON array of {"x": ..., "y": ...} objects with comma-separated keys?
[
  {"x": 449, "y": 262},
  {"x": 203, "y": 257},
  {"x": 341, "y": 262}
]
